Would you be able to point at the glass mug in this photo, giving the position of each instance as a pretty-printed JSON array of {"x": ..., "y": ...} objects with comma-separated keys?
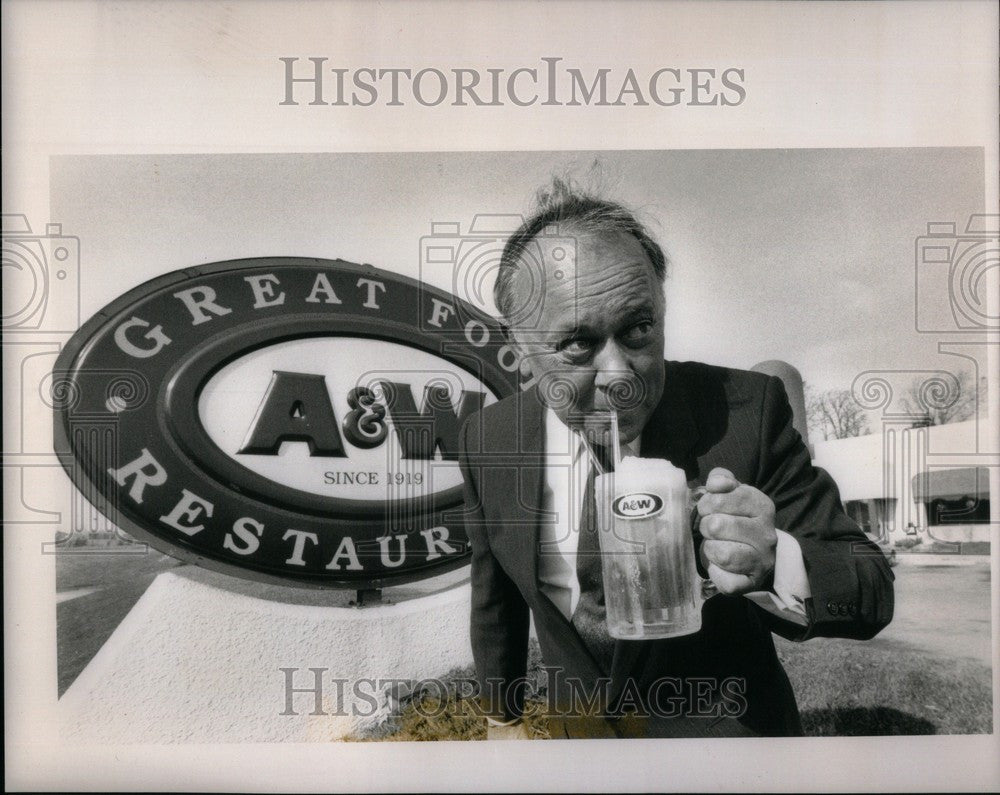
[{"x": 652, "y": 588}]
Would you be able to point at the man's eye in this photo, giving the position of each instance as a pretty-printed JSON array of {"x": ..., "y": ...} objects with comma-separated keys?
[
  {"x": 639, "y": 333},
  {"x": 576, "y": 347}
]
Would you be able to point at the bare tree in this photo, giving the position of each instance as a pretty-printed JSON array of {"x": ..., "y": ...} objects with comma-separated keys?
[
  {"x": 944, "y": 398},
  {"x": 835, "y": 414}
]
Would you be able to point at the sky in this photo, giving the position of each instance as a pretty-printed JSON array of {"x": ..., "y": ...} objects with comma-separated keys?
[{"x": 801, "y": 255}]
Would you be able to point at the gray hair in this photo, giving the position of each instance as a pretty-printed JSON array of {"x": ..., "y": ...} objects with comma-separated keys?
[{"x": 566, "y": 206}]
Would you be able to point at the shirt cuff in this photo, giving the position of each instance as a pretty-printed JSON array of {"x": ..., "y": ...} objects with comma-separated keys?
[{"x": 787, "y": 597}]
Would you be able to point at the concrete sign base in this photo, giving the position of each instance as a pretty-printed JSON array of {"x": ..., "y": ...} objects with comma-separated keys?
[{"x": 195, "y": 663}]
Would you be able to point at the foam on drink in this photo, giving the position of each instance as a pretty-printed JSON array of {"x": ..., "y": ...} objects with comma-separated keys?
[{"x": 656, "y": 475}]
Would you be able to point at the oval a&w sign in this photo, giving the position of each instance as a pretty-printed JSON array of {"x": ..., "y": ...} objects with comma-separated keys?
[{"x": 282, "y": 419}]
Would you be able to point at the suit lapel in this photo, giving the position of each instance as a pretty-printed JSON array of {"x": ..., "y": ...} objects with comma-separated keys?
[
  {"x": 670, "y": 432},
  {"x": 531, "y": 444}
]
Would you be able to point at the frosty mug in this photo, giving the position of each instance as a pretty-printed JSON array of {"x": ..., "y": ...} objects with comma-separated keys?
[{"x": 652, "y": 588}]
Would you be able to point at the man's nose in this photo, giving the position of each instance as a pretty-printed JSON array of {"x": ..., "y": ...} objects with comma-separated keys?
[{"x": 611, "y": 365}]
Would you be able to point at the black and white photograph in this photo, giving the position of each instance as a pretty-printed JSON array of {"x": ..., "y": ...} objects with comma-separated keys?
[{"x": 386, "y": 444}]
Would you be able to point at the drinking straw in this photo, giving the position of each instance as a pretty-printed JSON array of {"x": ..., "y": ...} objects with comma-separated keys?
[
  {"x": 616, "y": 444},
  {"x": 590, "y": 451}
]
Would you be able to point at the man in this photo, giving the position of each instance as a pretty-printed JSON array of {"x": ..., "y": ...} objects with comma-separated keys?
[{"x": 585, "y": 310}]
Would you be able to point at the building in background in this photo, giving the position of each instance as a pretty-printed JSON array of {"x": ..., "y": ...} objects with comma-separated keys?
[{"x": 913, "y": 481}]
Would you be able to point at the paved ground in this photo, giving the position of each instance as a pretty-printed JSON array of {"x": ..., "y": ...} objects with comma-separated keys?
[{"x": 942, "y": 609}]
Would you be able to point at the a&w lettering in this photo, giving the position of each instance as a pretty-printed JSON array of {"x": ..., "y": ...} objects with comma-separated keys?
[
  {"x": 297, "y": 408},
  {"x": 637, "y": 506}
]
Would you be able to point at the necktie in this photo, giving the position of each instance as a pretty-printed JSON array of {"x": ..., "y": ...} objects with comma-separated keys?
[{"x": 589, "y": 616}]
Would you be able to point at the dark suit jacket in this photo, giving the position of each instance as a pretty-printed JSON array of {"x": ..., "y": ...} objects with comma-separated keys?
[{"x": 708, "y": 417}]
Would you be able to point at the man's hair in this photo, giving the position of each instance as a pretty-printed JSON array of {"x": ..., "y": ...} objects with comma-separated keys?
[{"x": 566, "y": 207}]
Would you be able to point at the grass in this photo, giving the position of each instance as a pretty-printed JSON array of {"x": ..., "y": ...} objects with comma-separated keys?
[
  {"x": 852, "y": 688},
  {"x": 453, "y": 719},
  {"x": 424, "y": 717},
  {"x": 842, "y": 688}
]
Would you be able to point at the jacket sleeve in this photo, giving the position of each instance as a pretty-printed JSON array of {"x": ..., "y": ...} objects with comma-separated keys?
[
  {"x": 500, "y": 617},
  {"x": 849, "y": 578}
]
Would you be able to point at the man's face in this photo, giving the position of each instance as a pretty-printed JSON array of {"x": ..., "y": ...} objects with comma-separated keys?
[{"x": 598, "y": 341}]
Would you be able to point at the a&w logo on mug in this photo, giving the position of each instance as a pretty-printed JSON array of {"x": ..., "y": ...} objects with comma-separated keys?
[{"x": 638, "y": 505}]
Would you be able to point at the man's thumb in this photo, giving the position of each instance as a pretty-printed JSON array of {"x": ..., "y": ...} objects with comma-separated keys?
[{"x": 721, "y": 480}]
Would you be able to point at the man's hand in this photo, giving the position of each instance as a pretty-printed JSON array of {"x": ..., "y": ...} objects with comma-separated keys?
[
  {"x": 515, "y": 731},
  {"x": 737, "y": 523}
]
